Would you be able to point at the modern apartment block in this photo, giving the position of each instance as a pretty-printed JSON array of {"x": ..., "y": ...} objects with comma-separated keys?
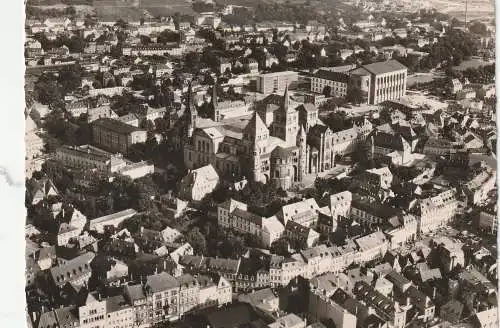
[{"x": 275, "y": 82}]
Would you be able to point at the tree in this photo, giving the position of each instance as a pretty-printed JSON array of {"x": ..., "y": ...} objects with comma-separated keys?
[
  {"x": 280, "y": 247},
  {"x": 478, "y": 28},
  {"x": 48, "y": 90},
  {"x": 167, "y": 36},
  {"x": 145, "y": 40},
  {"x": 355, "y": 95},
  {"x": 338, "y": 121},
  {"x": 89, "y": 21},
  {"x": 327, "y": 91},
  {"x": 70, "y": 79},
  {"x": 121, "y": 24},
  {"x": 197, "y": 240}
]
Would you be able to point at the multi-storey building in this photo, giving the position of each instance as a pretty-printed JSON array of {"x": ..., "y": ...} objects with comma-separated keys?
[
  {"x": 198, "y": 183},
  {"x": 304, "y": 212},
  {"x": 76, "y": 271},
  {"x": 488, "y": 220},
  {"x": 137, "y": 298},
  {"x": 379, "y": 82},
  {"x": 162, "y": 291},
  {"x": 189, "y": 293},
  {"x": 275, "y": 82},
  {"x": 301, "y": 236},
  {"x": 116, "y": 136},
  {"x": 93, "y": 313},
  {"x": 337, "y": 82},
  {"x": 99, "y": 224},
  {"x": 372, "y": 246},
  {"x": 234, "y": 215},
  {"x": 367, "y": 211},
  {"x": 89, "y": 157},
  {"x": 282, "y": 270},
  {"x": 119, "y": 314},
  {"x": 435, "y": 211}
]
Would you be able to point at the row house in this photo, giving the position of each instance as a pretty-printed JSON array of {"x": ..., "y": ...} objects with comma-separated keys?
[
  {"x": 302, "y": 236},
  {"x": 435, "y": 211},
  {"x": 234, "y": 215},
  {"x": 319, "y": 260},
  {"x": 226, "y": 268},
  {"x": 304, "y": 212},
  {"x": 369, "y": 212},
  {"x": 402, "y": 230},
  {"x": 478, "y": 189},
  {"x": 252, "y": 274},
  {"x": 282, "y": 270},
  {"x": 372, "y": 246}
]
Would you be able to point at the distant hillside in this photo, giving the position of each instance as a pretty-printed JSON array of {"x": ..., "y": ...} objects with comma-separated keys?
[
  {"x": 112, "y": 10},
  {"x": 58, "y": 2}
]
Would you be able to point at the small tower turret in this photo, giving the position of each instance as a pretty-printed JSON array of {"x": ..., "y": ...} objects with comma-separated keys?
[
  {"x": 191, "y": 112},
  {"x": 302, "y": 160},
  {"x": 215, "y": 104}
]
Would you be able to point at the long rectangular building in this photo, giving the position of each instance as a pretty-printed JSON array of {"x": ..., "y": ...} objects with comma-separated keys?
[
  {"x": 116, "y": 136},
  {"x": 380, "y": 81},
  {"x": 337, "y": 81},
  {"x": 275, "y": 82}
]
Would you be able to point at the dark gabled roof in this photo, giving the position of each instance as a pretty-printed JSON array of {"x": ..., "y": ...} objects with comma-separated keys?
[
  {"x": 373, "y": 207},
  {"x": 248, "y": 216},
  {"x": 332, "y": 76},
  {"x": 308, "y": 107},
  {"x": 297, "y": 228},
  {"x": 283, "y": 152},
  {"x": 116, "y": 303},
  {"x": 135, "y": 292},
  {"x": 115, "y": 125},
  {"x": 161, "y": 282},
  {"x": 318, "y": 129}
]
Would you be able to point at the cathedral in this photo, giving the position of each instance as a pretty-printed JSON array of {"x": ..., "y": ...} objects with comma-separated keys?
[{"x": 279, "y": 141}]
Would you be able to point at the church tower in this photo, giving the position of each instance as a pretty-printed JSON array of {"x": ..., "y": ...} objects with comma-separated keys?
[
  {"x": 191, "y": 112},
  {"x": 286, "y": 100},
  {"x": 287, "y": 121},
  {"x": 256, "y": 134},
  {"x": 302, "y": 160},
  {"x": 215, "y": 104}
]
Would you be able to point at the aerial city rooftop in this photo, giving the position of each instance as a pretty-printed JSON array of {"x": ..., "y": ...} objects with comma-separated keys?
[{"x": 256, "y": 164}]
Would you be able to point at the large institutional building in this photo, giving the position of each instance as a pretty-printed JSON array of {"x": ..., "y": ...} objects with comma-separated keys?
[
  {"x": 281, "y": 142},
  {"x": 377, "y": 82}
]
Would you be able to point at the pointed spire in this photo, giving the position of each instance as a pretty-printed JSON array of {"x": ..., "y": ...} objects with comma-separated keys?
[
  {"x": 190, "y": 96},
  {"x": 302, "y": 132},
  {"x": 214, "y": 95},
  {"x": 286, "y": 99},
  {"x": 255, "y": 126}
]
